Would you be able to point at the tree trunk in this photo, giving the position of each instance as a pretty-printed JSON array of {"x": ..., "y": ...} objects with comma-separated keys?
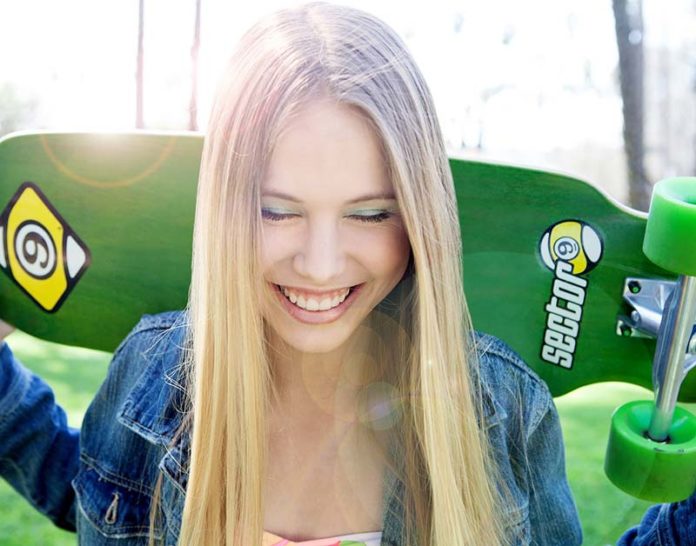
[
  {"x": 139, "y": 123},
  {"x": 628, "y": 16},
  {"x": 193, "y": 106}
]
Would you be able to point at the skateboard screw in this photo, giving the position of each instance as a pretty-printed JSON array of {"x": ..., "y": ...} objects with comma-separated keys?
[
  {"x": 626, "y": 330},
  {"x": 634, "y": 287}
]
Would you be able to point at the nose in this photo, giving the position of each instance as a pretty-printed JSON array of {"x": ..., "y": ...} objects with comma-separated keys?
[{"x": 320, "y": 258}]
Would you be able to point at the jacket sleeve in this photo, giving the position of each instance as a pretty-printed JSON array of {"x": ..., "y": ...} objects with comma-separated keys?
[
  {"x": 39, "y": 452},
  {"x": 664, "y": 525},
  {"x": 552, "y": 511}
]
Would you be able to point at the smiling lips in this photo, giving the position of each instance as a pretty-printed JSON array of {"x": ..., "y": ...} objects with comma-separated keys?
[
  {"x": 315, "y": 302},
  {"x": 338, "y": 302}
]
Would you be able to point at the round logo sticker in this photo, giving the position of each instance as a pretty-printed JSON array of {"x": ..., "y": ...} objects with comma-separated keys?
[{"x": 572, "y": 241}]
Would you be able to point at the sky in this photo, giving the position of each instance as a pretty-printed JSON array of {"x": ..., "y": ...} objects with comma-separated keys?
[
  {"x": 78, "y": 56},
  {"x": 529, "y": 80}
]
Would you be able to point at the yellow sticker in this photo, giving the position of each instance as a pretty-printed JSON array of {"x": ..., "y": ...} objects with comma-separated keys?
[
  {"x": 39, "y": 250},
  {"x": 574, "y": 242}
]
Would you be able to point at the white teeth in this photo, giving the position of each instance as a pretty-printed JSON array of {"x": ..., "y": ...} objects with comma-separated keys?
[
  {"x": 291, "y": 297},
  {"x": 311, "y": 304}
]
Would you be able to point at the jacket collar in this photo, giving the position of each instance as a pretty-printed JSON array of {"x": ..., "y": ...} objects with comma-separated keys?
[{"x": 154, "y": 408}]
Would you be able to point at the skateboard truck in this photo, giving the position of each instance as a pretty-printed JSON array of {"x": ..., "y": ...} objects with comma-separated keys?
[
  {"x": 651, "y": 452},
  {"x": 647, "y": 301},
  {"x": 650, "y": 300},
  {"x": 671, "y": 363}
]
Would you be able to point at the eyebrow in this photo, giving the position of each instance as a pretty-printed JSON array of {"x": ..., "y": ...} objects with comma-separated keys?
[{"x": 368, "y": 197}]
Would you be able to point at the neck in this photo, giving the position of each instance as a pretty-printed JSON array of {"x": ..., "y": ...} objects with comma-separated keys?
[{"x": 322, "y": 389}]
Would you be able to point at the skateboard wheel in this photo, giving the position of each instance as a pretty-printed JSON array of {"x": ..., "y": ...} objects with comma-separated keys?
[
  {"x": 669, "y": 235},
  {"x": 649, "y": 470}
]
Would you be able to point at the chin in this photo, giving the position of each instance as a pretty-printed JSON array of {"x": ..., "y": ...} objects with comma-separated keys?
[{"x": 315, "y": 343}]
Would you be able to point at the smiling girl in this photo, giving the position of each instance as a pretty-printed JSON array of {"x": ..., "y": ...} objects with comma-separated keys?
[{"x": 327, "y": 283}]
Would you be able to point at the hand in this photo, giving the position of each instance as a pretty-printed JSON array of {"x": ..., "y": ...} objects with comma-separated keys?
[{"x": 5, "y": 329}]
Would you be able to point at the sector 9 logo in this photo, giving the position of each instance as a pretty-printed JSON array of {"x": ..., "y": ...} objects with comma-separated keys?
[
  {"x": 39, "y": 250},
  {"x": 35, "y": 250},
  {"x": 572, "y": 241},
  {"x": 569, "y": 248}
]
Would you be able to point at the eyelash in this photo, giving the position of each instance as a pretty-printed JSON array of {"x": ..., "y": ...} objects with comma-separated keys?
[{"x": 374, "y": 218}]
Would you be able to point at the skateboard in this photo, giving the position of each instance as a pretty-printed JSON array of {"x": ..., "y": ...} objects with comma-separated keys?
[
  {"x": 96, "y": 230},
  {"x": 551, "y": 264}
]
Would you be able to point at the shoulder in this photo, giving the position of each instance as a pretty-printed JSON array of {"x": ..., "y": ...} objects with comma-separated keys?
[
  {"x": 515, "y": 389},
  {"x": 127, "y": 431},
  {"x": 159, "y": 330},
  {"x": 147, "y": 365},
  {"x": 155, "y": 341},
  {"x": 143, "y": 377}
]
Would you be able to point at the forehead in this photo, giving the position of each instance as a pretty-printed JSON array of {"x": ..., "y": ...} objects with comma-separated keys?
[{"x": 327, "y": 150}]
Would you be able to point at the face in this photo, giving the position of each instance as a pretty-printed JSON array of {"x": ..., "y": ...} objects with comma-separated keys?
[{"x": 334, "y": 244}]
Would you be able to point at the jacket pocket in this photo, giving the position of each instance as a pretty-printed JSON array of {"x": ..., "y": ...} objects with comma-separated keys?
[{"x": 110, "y": 507}]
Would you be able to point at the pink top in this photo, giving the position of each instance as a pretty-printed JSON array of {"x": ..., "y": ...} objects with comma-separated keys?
[{"x": 359, "y": 539}]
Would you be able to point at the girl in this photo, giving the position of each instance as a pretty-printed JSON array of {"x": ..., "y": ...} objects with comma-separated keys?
[{"x": 324, "y": 385}]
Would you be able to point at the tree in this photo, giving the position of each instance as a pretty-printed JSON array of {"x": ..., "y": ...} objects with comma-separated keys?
[
  {"x": 139, "y": 123},
  {"x": 193, "y": 106},
  {"x": 628, "y": 17}
]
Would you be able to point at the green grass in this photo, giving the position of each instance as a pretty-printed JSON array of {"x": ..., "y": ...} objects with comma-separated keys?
[{"x": 75, "y": 375}]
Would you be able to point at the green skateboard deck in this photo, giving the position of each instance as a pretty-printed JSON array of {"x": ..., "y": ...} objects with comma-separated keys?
[
  {"x": 96, "y": 230},
  {"x": 130, "y": 199}
]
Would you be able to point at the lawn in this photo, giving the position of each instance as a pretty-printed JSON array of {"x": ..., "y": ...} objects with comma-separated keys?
[{"x": 75, "y": 375}]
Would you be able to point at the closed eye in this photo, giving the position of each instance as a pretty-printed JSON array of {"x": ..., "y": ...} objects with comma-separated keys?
[
  {"x": 268, "y": 214},
  {"x": 381, "y": 216}
]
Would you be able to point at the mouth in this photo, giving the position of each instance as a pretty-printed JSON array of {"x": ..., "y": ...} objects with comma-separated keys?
[
  {"x": 313, "y": 311},
  {"x": 317, "y": 303}
]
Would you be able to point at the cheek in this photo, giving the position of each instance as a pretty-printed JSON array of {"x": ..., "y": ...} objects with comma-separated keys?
[
  {"x": 275, "y": 246},
  {"x": 402, "y": 248},
  {"x": 388, "y": 250}
]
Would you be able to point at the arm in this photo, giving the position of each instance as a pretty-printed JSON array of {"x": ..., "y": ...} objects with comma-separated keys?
[
  {"x": 664, "y": 525},
  {"x": 39, "y": 452},
  {"x": 552, "y": 512}
]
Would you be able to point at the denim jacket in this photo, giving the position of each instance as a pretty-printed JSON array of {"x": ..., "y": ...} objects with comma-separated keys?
[{"x": 100, "y": 480}]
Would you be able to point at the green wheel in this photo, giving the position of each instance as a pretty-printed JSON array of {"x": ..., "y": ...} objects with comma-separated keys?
[
  {"x": 669, "y": 236},
  {"x": 654, "y": 471}
]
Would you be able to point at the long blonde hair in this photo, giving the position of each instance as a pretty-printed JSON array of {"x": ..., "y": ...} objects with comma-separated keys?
[{"x": 288, "y": 59}]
